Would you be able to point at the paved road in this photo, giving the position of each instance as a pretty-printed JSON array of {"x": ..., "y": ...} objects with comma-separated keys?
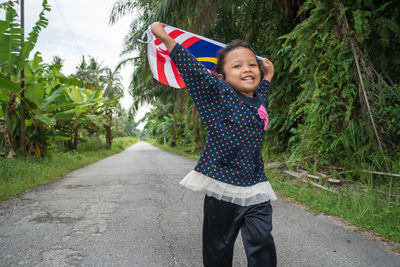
[{"x": 129, "y": 210}]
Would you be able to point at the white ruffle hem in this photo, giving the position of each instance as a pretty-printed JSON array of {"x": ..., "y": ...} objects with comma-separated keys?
[{"x": 240, "y": 195}]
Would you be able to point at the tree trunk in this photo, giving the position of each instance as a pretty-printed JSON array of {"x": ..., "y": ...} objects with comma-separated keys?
[
  {"x": 108, "y": 130},
  {"x": 7, "y": 140},
  {"x": 75, "y": 138},
  {"x": 175, "y": 129},
  {"x": 7, "y": 135},
  {"x": 22, "y": 118},
  {"x": 116, "y": 125},
  {"x": 182, "y": 96}
]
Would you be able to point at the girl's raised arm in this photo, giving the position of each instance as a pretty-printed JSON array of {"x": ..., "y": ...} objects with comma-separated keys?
[
  {"x": 202, "y": 85},
  {"x": 268, "y": 69},
  {"x": 265, "y": 84},
  {"x": 158, "y": 30}
]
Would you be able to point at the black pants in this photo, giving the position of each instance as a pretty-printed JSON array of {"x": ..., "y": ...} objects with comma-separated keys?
[{"x": 221, "y": 225}]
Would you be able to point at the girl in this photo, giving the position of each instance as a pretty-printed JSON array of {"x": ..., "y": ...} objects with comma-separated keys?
[{"x": 230, "y": 171}]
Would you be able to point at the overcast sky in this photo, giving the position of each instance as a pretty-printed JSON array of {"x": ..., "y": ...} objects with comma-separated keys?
[{"x": 77, "y": 28}]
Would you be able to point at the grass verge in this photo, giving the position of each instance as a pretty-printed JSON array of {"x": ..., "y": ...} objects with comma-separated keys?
[
  {"x": 366, "y": 210},
  {"x": 176, "y": 150},
  {"x": 22, "y": 173}
]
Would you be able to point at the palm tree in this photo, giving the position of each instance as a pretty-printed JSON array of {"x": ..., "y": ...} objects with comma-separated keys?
[
  {"x": 57, "y": 61},
  {"x": 113, "y": 89},
  {"x": 90, "y": 72},
  {"x": 113, "y": 84},
  {"x": 95, "y": 71},
  {"x": 82, "y": 70}
]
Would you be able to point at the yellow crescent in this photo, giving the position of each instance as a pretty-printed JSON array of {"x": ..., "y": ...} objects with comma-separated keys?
[{"x": 208, "y": 59}]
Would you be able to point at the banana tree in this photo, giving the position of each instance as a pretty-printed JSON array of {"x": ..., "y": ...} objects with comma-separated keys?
[
  {"x": 59, "y": 107},
  {"x": 84, "y": 111},
  {"x": 14, "y": 54}
]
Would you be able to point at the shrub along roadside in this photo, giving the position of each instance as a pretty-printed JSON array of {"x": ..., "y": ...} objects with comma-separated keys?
[
  {"x": 365, "y": 210},
  {"x": 22, "y": 173}
]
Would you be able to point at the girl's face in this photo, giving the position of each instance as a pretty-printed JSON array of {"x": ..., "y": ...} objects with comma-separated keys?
[{"x": 241, "y": 71}]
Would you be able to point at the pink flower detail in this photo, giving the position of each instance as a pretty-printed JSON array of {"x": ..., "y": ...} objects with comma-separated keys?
[{"x": 264, "y": 116}]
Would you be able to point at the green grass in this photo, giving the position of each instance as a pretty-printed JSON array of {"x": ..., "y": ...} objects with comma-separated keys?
[
  {"x": 22, "y": 173},
  {"x": 176, "y": 150},
  {"x": 365, "y": 210}
]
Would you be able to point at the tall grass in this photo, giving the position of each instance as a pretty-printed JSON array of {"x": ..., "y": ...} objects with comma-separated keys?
[{"x": 22, "y": 173}]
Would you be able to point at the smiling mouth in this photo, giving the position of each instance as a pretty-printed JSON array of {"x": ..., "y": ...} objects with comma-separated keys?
[{"x": 248, "y": 78}]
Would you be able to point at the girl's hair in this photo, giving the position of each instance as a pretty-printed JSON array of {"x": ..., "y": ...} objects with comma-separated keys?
[{"x": 219, "y": 67}]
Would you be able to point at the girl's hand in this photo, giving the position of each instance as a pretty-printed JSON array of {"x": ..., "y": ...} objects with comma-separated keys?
[
  {"x": 158, "y": 30},
  {"x": 268, "y": 69}
]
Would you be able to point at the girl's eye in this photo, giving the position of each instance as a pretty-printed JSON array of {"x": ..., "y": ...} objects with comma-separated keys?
[
  {"x": 252, "y": 65},
  {"x": 236, "y": 66}
]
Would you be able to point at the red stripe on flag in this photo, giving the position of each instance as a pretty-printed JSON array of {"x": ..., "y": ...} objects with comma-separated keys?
[
  {"x": 157, "y": 42},
  {"x": 178, "y": 77},
  {"x": 175, "y": 33},
  {"x": 160, "y": 69},
  {"x": 187, "y": 43}
]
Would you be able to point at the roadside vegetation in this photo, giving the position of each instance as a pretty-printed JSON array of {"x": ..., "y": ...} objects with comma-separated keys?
[
  {"x": 334, "y": 103},
  {"x": 40, "y": 107},
  {"x": 364, "y": 208},
  {"x": 51, "y": 123}
]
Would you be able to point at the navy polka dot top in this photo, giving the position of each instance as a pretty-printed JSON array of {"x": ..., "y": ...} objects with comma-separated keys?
[{"x": 235, "y": 131}]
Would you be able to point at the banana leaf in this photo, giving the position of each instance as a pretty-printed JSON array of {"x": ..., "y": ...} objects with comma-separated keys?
[
  {"x": 46, "y": 118},
  {"x": 98, "y": 120},
  {"x": 7, "y": 84},
  {"x": 57, "y": 91},
  {"x": 11, "y": 41},
  {"x": 35, "y": 94},
  {"x": 30, "y": 43},
  {"x": 64, "y": 116}
]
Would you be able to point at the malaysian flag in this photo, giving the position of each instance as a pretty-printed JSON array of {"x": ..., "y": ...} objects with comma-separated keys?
[{"x": 164, "y": 70}]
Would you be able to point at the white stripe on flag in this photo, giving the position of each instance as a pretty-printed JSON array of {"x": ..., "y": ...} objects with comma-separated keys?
[
  {"x": 183, "y": 37},
  {"x": 170, "y": 74},
  {"x": 169, "y": 29},
  {"x": 151, "y": 53}
]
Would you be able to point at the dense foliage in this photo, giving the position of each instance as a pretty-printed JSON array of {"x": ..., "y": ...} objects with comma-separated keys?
[
  {"x": 335, "y": 98},
  {"x": 40, "y": 107}
]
